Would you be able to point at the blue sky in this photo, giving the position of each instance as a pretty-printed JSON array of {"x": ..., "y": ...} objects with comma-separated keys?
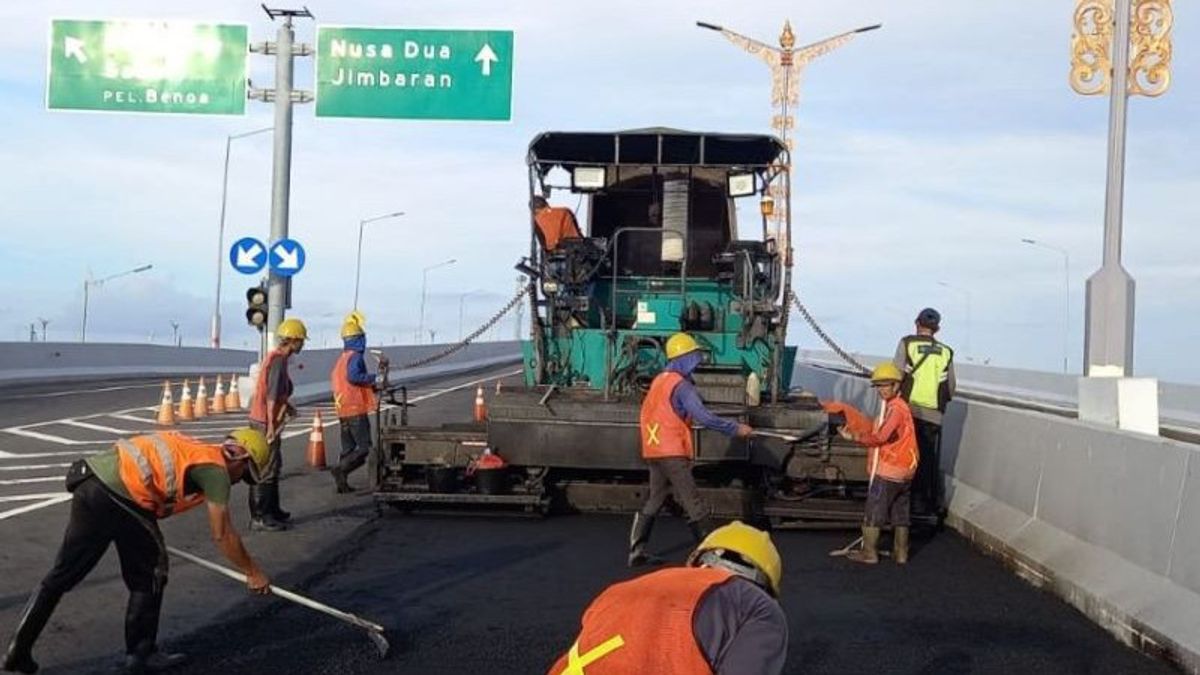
[{"x": 925, "y": 152}]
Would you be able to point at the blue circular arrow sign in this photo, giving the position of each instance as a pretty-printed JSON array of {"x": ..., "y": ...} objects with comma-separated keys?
[
  {"x": 248, "y": 255},
  {"x": 287, "y": 257}
]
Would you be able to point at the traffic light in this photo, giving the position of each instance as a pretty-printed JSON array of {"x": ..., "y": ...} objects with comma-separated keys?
[{"x": 256, "y": 310}]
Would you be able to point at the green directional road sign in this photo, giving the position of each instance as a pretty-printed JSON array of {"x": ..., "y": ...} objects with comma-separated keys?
[
  {"x": 414, "y": 74},
  {"x": 147, "y": 66}
]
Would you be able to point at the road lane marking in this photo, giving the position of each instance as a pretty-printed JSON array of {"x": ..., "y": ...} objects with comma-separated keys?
[
  {"x": 40, "y": 455},
  {"x": 24, "y": 481},
  {"x": 97, "y": 427},
  {"x": 33, "y": 467},
  {"x": 49, "y": 499},
  {"x": 72, "y": 392},
  {"x": 49, "y": 438}
]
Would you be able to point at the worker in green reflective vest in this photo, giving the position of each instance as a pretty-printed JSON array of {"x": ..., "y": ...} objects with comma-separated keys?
[{"x": 928, "y": 386}]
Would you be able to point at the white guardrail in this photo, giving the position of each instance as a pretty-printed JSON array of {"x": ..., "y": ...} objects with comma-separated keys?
[{"x": 1107, "y": 519}]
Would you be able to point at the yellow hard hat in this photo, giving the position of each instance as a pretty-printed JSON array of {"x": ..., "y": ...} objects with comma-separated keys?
[
  {"x": 351, "y": 328},
  {"x": 254, "y": 442},
  {"x": 886, "y": 372},
  {"x": 292, "y": 329},
  {"x": 357, "y": 317},
  {"x": 753, "y": 545},
  {"x": 680, "y": 344}
]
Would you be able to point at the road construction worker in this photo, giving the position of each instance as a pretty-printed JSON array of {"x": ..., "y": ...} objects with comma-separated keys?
[
  {"x": 118, "y": 496},
  {"x": 718, "y": 614},
  {"x": 269, "y": 411},
  {"x": 893, "y": 461},
  {"x": 928, "y": 386},
  {"x": 670, "y": 408},
  {"x": 554, "y": 223},
  {"x": 353, "y": 389}
]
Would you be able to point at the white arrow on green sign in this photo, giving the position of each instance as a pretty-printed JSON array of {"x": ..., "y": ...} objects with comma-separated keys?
[
  {"x": 425, "y": 74},
  {"x": 147, "y": 66}
]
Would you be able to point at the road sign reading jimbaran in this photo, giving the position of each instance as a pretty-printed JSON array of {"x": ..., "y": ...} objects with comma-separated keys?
[
  {"x": 147, "y": 66},
  {"x": 426, "y": 74}
]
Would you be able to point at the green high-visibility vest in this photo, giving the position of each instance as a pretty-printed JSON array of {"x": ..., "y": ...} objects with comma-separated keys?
[{"x": 928, "y": 365}]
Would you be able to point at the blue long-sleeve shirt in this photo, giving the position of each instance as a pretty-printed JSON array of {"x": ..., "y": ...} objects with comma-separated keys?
[
  {"x": 356, "y": 367},
  {"x": 686, "y": 402}
]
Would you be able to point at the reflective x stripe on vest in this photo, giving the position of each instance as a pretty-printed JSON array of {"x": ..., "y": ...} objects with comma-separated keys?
[
  {"x": 934, "y": 360},
  {"x": 577, "y": 663},
  {"x": 166, "y": 460}
]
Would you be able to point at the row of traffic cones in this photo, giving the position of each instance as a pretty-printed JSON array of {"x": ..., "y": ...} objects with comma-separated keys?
[{"x": 189, "y": 409}]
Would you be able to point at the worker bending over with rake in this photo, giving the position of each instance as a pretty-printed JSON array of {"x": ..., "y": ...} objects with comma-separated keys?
[
  {"x": 718, "y": 614},
  {"x": 892, "y": 458},
  {"x": 118, "y": 496},
  {"x": 668, "y": 411}
]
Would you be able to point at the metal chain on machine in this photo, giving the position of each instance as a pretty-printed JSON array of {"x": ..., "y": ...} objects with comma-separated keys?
[
  {"x": 808, "y": 317},
  {"x": 458, "y": 346}
]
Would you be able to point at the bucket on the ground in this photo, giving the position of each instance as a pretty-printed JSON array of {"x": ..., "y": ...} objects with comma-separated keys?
[
  {"x": 441, "y": 478},
  {"x": 492, "y": 481}
]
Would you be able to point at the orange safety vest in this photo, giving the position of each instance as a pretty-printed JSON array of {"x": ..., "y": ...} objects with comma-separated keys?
[
  {"x": 350, "y": 400},
  {"x": 664, "y": 432},
  {"x": 644, "y": 626},
  {"x": 556, "y": 223},
  {"x": 898, "y": 457},
  {"x": 258, "y": 404},
  {"x": 154, "y": 468}
]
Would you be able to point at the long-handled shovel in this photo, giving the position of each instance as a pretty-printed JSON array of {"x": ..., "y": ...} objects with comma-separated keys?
[{"x": 374, "y": 630}]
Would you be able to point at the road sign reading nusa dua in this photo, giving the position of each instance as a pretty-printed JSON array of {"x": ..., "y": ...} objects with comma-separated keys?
[
  {"x": 147, "y": 66},
  {"x": 403, "y": 73}
]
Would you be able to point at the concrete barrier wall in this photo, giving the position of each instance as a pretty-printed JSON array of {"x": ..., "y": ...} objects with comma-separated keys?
[
  {"x": 1109, "y": 520},
  {"x": 25, "y": 363}
]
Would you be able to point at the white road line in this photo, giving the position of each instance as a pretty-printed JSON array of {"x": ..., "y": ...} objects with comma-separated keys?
[
  {"x": 32, "y": 467},
  {"x": 40, "y": 455},
  {"x": 23, "y": 481},
  {"x": 49, "y": 438},
  {"x": 72, "y": 392},
  {"x": 46, "y": 500},
  {"x": 97, "y": 427},
  {"x": 130, "y": 418}
]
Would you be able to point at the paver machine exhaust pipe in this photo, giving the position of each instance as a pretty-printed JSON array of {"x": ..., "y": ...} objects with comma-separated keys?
[{"x": 374, "y": 630}]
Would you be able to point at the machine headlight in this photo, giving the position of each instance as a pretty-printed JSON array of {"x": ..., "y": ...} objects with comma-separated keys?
[
  {"x": 740, "y": 184},
  {"x": 550, "y": 287},
  {"x": 587, "y": 178}
]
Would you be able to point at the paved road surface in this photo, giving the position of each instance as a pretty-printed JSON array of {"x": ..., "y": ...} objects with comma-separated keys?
[{"x": 502, "y": 595}]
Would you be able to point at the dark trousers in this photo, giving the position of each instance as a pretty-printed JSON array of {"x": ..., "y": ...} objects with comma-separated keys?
[
  {"x": 97, "y": 521},
  {"x": 887, "y": 503},
  {"x": 356, "y": 442},
  {"x": 927, "y": 484},
  {"x": 673, "y": 477}
]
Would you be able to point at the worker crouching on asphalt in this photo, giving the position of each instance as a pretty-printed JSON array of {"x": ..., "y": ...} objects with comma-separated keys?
[
  {"x": 893, "y": 460},
  {"x": 269, "y": 411},
  {"x": 118, "y": 496},
  {"x": 719, "y": 614},
  {"x": 670, "y": 408},
  {"x": 354, "y": 398}
]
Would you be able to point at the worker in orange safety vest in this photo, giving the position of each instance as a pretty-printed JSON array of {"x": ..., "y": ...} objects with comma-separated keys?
[
  {"x": 270, "y": 409},
  {"x": 354, "y": 400},
  {"x": 892, "y": 459},
  {"x": 718, "y": 614}
]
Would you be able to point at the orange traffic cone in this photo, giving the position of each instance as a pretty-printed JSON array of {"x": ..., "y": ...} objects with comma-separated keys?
[
  {"x": 233, "y": 400},
  {"x": 200, "y": 407},
  {"x": 218, "y": 402},
  {"x": 316, "y": 443},
  {"x": 185, "y": 403},
  {"x": 166, "y": 409},
  {"x": 480, "y": 406}
]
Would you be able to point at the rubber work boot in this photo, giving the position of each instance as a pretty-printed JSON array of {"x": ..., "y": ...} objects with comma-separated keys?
[
  {"x": 260, "y": 519},
  {"x": 700, "y": 528},
  {"x": 339, "y": 480},
  {"x": 155, "y": 662},
  {"x": 273, "y": 507},
  {"x": 869, "y": 553},
  {"x": 900, "y": 545},
  {"x": 19, "y": 657},
  {"x": 639, "y": 534}
]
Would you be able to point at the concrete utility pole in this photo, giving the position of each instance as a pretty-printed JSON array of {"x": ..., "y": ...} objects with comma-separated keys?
[
  {"x": 1140, "y": 65},
  {"x": 285, "y": 50}
]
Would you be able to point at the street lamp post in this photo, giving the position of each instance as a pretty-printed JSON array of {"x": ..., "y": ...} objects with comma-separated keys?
[
  {"x": 424, "y": 287},
  {"x": 88, "y": 283},
  {"x": 462, "y": 298},
  {"x": 358, "y": 263},
  {"x": 175, "y": 333},
  {"x": 216, "y": 318},
  {"x": 44, "y": 323},
  {"x": 1066, "y": 322},
  {"x": 967, "y": 295}
]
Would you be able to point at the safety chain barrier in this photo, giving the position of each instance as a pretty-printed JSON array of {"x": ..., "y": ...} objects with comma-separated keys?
[
  {"x": 467, "y": 340},
  {"x": 808, "y": 317}
]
